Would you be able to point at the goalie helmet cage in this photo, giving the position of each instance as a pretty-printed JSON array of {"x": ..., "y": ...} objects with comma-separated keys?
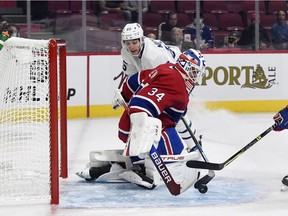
[{"x": 33, "y": 120}]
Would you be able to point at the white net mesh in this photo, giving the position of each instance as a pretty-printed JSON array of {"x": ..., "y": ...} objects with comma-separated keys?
[{"x": 24, "y": 120}]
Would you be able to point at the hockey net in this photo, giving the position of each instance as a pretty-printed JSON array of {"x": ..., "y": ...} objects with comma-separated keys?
[{"x": 33, "y": 122}]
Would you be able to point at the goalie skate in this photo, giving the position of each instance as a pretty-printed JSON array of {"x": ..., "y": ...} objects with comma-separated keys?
[
  {"x": 85, "y": 174},
  {"x": 105, "y": 166},
  {"x": 108, "y": 173}
]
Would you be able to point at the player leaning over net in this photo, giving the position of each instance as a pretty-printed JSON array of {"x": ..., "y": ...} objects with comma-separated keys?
[
  {"x": 154, "y": 101},
  {"x": 141, "y": 53},
  {"x": 281, "y": 120}
]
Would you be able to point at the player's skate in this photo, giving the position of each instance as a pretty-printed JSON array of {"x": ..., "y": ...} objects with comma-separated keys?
[
  {"x": 105, "y": 166},
  {"x": 285, "y": 183},
  {"x": 92, "y": 173},
  {"x": 85, "y": 174}
]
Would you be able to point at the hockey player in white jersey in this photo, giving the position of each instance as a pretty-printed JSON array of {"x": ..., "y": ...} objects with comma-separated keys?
[{"x": 281, "y": 120}]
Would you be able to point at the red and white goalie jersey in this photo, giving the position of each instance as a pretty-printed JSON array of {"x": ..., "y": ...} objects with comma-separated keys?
[{"x": 160, "y": 92}]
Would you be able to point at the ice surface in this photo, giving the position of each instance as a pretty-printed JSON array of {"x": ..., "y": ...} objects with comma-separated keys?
[{"x": 250, "y": 185}]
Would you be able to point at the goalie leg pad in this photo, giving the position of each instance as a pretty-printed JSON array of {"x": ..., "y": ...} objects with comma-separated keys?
[
  {"x": 103, "y": 158},
  {"x": 185, "y": 176},
  {"x": 145, "y": 132},
  {"x": 105, "y": 166},
  {"x": 147, "y": 177},
  {"x": 150, "y": 179},
  {"x": 151, "y": 171},
  {"x": 113, "y": 175},
  {"x": 138, "y": 178}
]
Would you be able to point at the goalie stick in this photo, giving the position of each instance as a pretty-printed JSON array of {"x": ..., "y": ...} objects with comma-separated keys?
[
  {"x": 201, "y": 184},
  {"x": 220, "y": 166},
  {"x": 122, "y": 77},
  {"x": 173, "y": 187}
]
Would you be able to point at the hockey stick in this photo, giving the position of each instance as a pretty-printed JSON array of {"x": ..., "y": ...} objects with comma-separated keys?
[
  {"x": 194, "y": 139},
  {"x": 220, "y": 166},
  {"x": 173, "y": 187},
  {"x": 201, "y": 184},
  {"x": 122, "y": 77}
]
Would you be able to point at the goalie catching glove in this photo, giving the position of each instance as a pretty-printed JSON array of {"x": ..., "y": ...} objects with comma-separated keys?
[{"x": 281, "y": 119}]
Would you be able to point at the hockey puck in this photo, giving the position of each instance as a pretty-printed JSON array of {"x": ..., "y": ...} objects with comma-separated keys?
[{"x": 203, "y": 188}]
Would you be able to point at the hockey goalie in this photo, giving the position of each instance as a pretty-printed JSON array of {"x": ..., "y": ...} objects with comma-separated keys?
[{"x": 154, "y": 102}]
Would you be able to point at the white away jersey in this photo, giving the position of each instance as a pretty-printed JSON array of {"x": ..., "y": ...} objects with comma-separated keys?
[{"x": 153, "y": 53}]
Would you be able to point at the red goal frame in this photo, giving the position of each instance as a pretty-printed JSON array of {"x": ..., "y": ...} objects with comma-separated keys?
[{"x": 57, "y": 49}]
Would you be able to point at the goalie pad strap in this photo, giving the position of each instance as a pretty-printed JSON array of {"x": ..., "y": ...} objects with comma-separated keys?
[{"x": 138, "y": 178}]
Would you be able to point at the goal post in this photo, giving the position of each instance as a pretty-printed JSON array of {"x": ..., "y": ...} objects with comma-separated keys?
[
  {"x": 33, "y": 119},
  {"x": 57, "y": 62}
]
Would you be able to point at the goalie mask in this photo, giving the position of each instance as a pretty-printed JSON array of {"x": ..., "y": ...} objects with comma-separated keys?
[
  {"x": 191, "y": 65},
  {"x": 132, "y": 31}
]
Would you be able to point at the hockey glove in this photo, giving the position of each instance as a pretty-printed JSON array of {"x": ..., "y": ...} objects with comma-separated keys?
[
  {"x": 281, "y": 119},
  {"x": 118, "y": 101}
]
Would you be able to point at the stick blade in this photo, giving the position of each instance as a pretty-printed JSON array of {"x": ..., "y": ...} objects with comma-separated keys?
[
  {"x": 205, "y": 179},
  {"x": 204, "y": 165}
]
